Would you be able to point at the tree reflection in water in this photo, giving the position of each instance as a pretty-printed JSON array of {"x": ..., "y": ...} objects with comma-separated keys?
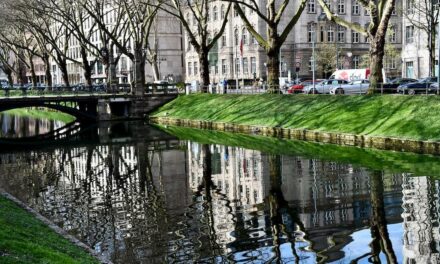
[{"x": 156, "y": 202}]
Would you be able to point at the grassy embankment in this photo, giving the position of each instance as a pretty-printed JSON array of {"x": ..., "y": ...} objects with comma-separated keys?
[
  {"x": 24, "y": 239},
  {"x": 42, "y": 113},
  {"x": 406, "y": 117},
  {"x": 397, "y": 162}
]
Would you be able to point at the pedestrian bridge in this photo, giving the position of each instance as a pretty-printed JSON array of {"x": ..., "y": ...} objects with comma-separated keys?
[{"x": 94, "y": 106}]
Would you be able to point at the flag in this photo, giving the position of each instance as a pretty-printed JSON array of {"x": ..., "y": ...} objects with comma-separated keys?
[{"x": 241, "y": 47}]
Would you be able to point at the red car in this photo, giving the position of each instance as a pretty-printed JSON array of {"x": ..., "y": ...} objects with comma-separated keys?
[{"x": 298, "y": 88}]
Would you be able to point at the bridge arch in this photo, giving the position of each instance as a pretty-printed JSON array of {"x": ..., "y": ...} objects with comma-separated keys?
[{"x": 82, "y": 112}]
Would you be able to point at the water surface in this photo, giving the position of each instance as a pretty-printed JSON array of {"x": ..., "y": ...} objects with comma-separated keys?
[{"x": 136, "y": 194}]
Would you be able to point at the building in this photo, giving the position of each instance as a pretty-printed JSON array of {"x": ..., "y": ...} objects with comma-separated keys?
[
  {"x": 225, "y": 59},
  {"x": 415, "y": 51},
  {"x": 166, "y": 36}
]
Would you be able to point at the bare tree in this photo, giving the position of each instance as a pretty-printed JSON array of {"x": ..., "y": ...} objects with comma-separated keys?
[
  {"x": 275, "y": 36},
  {"x": 137, "y": 17},
  {"x": 424, "y": 16},
  {"x": 380, "y": 13},
  {"x": 198, "y": 32}
]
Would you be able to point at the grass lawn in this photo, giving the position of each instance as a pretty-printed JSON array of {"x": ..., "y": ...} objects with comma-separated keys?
[
  {"x": 42, "y": 113},
  {"x": 409, "y": 117},
  {"x": 398, "y": 162},
  {"x": 25, "y": 239}
]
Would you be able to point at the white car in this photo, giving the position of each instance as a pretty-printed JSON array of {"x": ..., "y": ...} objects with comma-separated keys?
[
  {"x": 354, "y": 87},
  {"x": 323, "y": 87}
]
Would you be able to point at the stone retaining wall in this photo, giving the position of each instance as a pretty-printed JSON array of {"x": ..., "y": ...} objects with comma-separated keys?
[{"x": 384, "y": 143}]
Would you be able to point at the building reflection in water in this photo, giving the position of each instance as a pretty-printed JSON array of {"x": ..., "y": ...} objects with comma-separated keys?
[
  {"x": 13, "y": 126},
  {"x": 171, "y": 201}
]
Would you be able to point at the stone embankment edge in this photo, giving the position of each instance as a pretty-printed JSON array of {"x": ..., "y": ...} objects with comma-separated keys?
[
  {"x": 54, "y": 227},
  {"x": 383, "y": 143}
]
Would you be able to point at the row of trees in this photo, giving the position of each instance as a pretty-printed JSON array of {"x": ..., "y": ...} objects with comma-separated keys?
[{"x": 47, "y": 28}]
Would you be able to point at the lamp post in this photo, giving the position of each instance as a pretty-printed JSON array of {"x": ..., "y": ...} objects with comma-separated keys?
[
  {"x": 313, "y": 57},
  {"x": 438, "y": 43}
]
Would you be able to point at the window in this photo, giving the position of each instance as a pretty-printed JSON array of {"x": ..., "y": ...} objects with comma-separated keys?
[
  {"x": 311, "y": 64},
  {"x": 330, "y": 34},
  {"x": 236, "y": 37},
  {"x": 356, "y": 61},
  {"x": 409, "y": 69},
  {"x": 355, "y": 36},
  {"x": 253, "y": 65},
  {"x": 224, "y": 67},
  {"x": 223, "y": 40},
  {"x": 244, "y": 36},
  {"x": 390, "y": 63},
  {"x": 409, "y": 34},
  {"x": 311, "y": 6},
  {"x": 310, "y": 32},
  {"x": 222, "y": 12},
  {"x": 410, "y": 6},
  {"x": 189, "y": 70},
  {"x": 341, "y": 6},
  {"x": 392, "y": 34},
  {"x": 341, "y": 34},
  {"x": 215, "y": 13},
  {"x": 237, "y": 66},
  {"x": 245, "y": 66},
  {"x": 196, "y": 68},
  {"x": 355, "y": 8}
]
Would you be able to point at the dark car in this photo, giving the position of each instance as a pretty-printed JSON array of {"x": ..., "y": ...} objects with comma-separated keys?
[
  {"x": 391, "y": 87},
  {"x": 421, "y": 86}
]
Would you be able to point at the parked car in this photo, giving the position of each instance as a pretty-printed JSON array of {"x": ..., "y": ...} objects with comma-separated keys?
[
  {"x": 421, "y": 86},
  {"x": 298, "y": 88},
  {"x": 323, "y": 87},
  {"x": 391, "y": 86},
  {"x": 434, "y": 87},
  {"x": 354, "y": 87}
]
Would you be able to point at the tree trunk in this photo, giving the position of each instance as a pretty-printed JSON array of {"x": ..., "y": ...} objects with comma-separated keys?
[
  {"x": 378, "y": 221},
  {"x": 138, "y": 71},
  {"x": 64, "y": 73},
  {"x": 377, "y": 52},
  {"x": 33, "y": 75},
  {"x": 204, "y": 70},
  {"x": 156, "y": 73},
  {"x": 8, "y": 73},
  {"x": 48, "y": 74},
  {"x": 273, "y": 70},
  {"x": 431, "y": 50},
  {"x": 86, "y": 67}
]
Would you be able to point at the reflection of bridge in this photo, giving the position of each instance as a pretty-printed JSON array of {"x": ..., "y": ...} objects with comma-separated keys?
[
  {"x": 93, "y": 106},
  {"x": 78, "y": 134}
]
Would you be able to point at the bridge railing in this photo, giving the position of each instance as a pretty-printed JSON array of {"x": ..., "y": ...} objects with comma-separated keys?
[{"x": 120, "y": 89}]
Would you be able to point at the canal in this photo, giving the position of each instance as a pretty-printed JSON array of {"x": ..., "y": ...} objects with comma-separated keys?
[{"x": 137, "y": 194}]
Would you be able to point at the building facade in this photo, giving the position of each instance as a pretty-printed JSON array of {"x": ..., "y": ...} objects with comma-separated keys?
[
  {"x": 415, "y": 49},
  {"x": 313, "y": 26}
]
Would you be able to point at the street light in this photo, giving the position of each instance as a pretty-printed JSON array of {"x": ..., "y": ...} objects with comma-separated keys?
[{"x": 313, "y": 56}]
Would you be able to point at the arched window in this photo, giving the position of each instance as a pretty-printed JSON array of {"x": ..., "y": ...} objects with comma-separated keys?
[
  {"x": 222, "y": 12},
  {"x": 215, "y": 13},
  {"x": 244, "y": 38}
]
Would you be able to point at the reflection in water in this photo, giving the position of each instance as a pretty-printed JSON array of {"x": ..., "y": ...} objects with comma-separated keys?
[
  {"x": 156, "y": 200},
  {"x": 14, "y": 126}
]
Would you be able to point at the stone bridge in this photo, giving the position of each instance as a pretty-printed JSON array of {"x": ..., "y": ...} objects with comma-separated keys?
[{"x": 93, "y": 107}]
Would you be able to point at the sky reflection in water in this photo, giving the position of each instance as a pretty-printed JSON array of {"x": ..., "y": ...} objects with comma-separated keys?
[{"x": 151, "y": 198}]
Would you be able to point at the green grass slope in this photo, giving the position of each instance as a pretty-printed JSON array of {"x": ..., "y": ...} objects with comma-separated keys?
[
  {"x": 410, "y": 117},
  {"x": 24, "y": 239}
]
